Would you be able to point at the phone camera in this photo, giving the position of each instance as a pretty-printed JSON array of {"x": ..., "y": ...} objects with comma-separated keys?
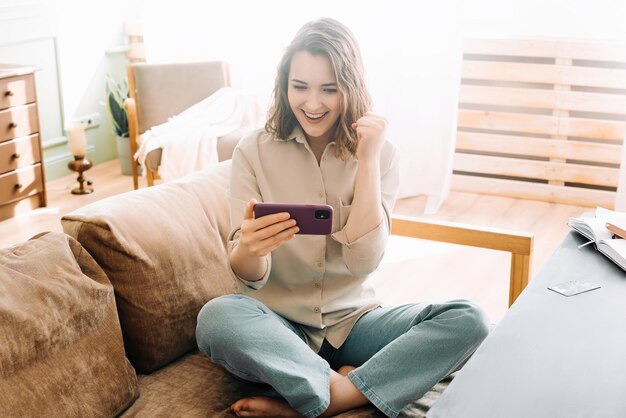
[{"x": 322, "y": 214}]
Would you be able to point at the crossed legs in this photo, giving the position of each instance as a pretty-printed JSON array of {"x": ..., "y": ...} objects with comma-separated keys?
[{"x": 394, "y": 355}]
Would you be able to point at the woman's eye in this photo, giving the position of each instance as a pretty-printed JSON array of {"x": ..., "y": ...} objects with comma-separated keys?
[
  {"x": 299, "y": 87},
  {"x": 330, "y": 90}
]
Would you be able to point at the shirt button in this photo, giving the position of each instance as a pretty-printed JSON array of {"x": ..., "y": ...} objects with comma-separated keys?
[
  {"x": 318, "y": 285},
  {"x": 316, "y": 310},
  {"x": 320, "y": 264},
  {"x": 321, "y": 194}
]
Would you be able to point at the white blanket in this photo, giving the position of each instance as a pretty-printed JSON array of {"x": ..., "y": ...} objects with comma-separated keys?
[{"x": 189, "y": 139}]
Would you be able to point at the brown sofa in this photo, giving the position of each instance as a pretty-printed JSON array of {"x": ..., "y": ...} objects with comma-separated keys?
[{"x": 100, "y": 321}]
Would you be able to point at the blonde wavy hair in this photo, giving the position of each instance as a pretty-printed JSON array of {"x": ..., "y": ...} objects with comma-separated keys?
[{"x": 333, "y": 40}]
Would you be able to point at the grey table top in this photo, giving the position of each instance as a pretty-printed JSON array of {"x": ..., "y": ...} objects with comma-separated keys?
[{"x": 551, "y": 356}]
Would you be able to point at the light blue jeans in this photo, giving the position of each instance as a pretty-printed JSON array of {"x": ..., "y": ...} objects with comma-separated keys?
[{"x": 400, "y": 353}]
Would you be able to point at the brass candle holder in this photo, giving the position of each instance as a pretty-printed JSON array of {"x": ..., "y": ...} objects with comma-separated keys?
[{"x": 80, "y": 164}]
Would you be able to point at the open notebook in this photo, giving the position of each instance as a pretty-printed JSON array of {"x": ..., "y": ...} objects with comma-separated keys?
[{"x": 593, "y": 226}]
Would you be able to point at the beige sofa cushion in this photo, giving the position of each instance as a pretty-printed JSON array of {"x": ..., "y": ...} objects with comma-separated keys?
[
  {"x": 61, "y": 349},
  {"x": 164, "y": 250}
]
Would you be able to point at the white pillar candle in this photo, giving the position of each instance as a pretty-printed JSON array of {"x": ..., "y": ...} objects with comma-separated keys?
[{"x": 78, "y": 141}]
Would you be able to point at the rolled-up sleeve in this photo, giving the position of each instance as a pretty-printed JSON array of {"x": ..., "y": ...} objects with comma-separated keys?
[
  {"x": 243, "y": 187},
  {"x": 363, "y": 255}
]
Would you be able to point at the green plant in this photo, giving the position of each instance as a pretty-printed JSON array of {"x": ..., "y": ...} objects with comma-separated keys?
[{"x": 116, "y": 94}]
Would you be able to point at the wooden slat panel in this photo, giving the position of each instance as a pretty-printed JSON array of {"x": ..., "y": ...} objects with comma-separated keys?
[
  {"x": 509, "y": 96},
  {"x": 592, "y": 102},
  {"x": 545, "y": 73},
  {"x": 544, "y": 99},
  {"x": 539, "y": 147},
  {"x": 545, "y": 170},
  {"x": 560, "y": 113},
  {"x": 547, "y": 48},
  {"x": 592, "y": 128},
  {"x": 540, "y": 124},
  {"x": 593, "y": 51},
  {"x": 505, "y": 121},
  {"x": 557, "y": 129},
  {"x": 511, "y": 47},
  {"x": 525, "y": 190}
]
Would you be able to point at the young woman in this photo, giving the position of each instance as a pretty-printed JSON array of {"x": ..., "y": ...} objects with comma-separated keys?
[{"x": 308, "y": 325}]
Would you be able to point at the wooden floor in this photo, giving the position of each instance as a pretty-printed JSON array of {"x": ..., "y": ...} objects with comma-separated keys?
[
  {"x": 412, "y": 270},
  {"x": 107, "y": 181}
]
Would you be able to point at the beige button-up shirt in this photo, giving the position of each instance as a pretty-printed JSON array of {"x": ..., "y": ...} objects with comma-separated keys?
[{"x": 319, "y": 282}]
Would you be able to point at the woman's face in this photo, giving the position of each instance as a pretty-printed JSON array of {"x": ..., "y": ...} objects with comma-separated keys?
[{"x": 313, "y": 95}]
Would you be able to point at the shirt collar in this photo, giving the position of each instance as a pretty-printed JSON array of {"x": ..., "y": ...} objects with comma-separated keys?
[{"x": 296, "y": 133}]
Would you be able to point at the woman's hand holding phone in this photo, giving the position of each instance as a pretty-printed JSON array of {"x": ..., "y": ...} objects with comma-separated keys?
[
  {"x": 262, "y": 235},
  {"x": 258, "y": 238}
]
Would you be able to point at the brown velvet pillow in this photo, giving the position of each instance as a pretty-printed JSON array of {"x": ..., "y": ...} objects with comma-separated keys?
[
  {"x": 61, "y": 349},
  {"x": 163, "y": 248}
]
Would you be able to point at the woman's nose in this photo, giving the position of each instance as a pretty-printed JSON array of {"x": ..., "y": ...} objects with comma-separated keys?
[{"x": 313, "y": 102}]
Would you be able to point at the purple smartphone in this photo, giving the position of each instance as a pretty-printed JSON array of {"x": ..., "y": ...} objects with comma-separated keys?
[{"x": 311, "y": 219}]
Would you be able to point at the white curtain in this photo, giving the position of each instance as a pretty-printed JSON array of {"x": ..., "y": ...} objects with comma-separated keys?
[{"x": 412, "y": 54}]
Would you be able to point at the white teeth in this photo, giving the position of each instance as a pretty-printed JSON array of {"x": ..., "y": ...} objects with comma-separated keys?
[{"x": 313, "y": 115}]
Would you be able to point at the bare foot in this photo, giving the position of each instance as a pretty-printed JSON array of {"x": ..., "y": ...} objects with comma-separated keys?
[
  {"x": 344, "y": 370},
  {"x": 264, "y": 406}
]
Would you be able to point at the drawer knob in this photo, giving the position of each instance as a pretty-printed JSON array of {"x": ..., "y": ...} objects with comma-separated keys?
[
  {"x": 16, "y": 155},
  {"x": 8, "y": 93},
  {"x": 12, "y": 125},
  {"x": 18, "y": 186}
]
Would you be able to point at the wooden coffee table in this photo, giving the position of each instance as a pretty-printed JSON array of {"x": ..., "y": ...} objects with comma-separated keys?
[{"x": 551, "y": 356}]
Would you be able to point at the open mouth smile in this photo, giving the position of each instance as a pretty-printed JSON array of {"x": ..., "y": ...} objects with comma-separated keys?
[{"x": 314, "y": 117}]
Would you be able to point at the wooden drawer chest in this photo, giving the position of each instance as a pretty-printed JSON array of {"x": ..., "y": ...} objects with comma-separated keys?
[{"x": 22, "y": 181}]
